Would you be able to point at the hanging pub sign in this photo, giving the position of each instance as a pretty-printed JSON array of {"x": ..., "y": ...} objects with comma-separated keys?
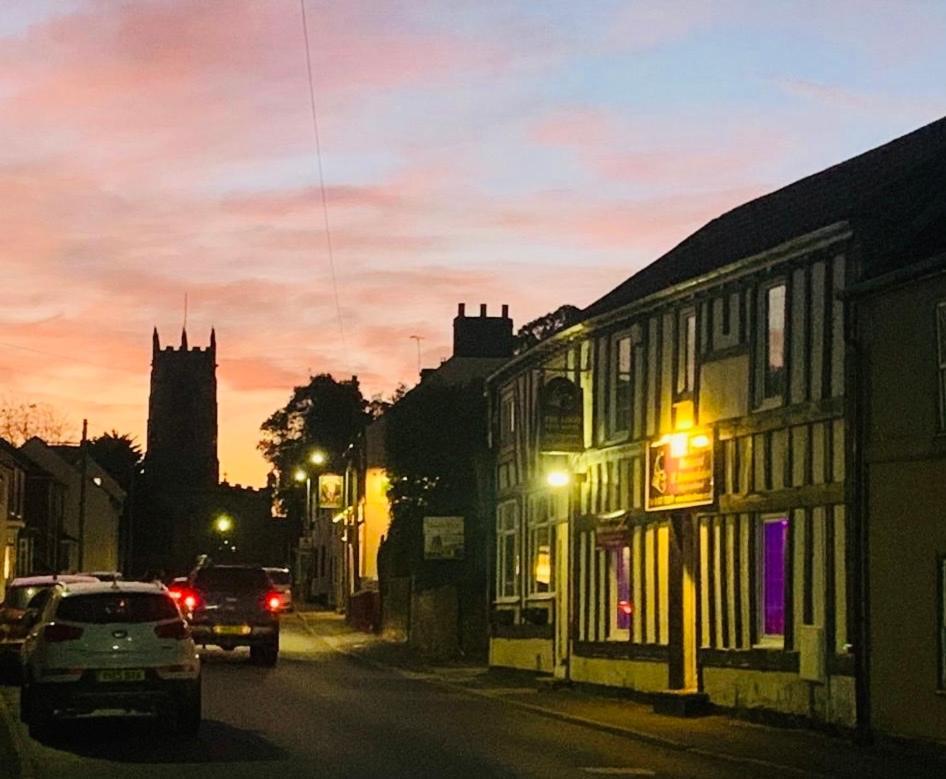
[
  {"x": 612, "y": 530},
  {"x": 680, "y": 471},
  {"x": 330, "y": 491},
  {"x": 560, "y": 409}
]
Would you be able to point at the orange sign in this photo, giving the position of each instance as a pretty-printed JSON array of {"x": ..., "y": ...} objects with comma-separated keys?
[{"x": 680, "y": 471}]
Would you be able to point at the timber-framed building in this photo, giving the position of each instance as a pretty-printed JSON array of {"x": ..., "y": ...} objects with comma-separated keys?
[{"x": 699, "y": 537}]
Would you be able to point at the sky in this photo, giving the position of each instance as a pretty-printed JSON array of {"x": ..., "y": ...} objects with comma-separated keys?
[{"x": 490, "y": 151}]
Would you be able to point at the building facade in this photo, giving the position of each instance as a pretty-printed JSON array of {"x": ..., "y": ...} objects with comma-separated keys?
[{"x": 700, "y": 537}]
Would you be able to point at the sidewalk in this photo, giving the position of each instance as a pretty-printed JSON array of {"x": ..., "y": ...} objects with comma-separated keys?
[{"x": 789, "y": 751}]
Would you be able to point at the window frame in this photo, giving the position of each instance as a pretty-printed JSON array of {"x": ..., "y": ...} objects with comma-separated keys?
[
  {"x": 541, "y": 519},
  {"x": 615, "y": 631},
  {"x": 765, "y": 638},
  {"x": 686, "y": 360},
  {"x": 773, "y": 382},
  {"x": 507, "y": 418},
  {"x": 508, "y": 527},
  {"x": 616, "y": 378}
]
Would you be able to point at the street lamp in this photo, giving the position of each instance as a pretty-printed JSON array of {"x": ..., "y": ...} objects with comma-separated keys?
[
  {"x": 223, "y": 523},
  {"x": 317, "y": 457}
]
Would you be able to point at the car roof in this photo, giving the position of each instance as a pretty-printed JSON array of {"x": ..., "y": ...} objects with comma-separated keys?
[
  {"x": 275, "y": 568},
  {"x": 95, "y": 587},
  {"x": 49, "y": 579}
]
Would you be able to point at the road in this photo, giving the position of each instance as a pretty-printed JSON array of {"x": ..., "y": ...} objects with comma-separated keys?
[{"x": 320, "y": 713}]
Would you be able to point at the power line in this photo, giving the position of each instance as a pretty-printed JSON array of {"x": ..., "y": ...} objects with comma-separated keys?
[{"x": 318, "y": 154}]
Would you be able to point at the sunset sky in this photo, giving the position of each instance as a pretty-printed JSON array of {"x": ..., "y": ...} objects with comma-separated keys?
[{"x": 532, "y": 153}]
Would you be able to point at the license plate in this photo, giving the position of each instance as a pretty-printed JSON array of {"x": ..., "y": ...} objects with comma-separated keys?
[
  {"x": 121, "y": 675},
  {"x": 232, "y": 630}
]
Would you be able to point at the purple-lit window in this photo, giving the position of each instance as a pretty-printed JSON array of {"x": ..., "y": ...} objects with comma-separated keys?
[
  {"x": 774, "y": 541},
  {"x": 622, "y": 587}
]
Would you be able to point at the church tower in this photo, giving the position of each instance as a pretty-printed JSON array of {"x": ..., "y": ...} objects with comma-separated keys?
[{"x": 182, "y": 417}]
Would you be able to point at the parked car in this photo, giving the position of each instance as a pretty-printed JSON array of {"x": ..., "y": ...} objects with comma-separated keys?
[
  {"x": 282, "y": 583},
  {"x": 99, "y": 646},
  {"x": 22, "y": 594},
  {"x": 234, "y": 605},
  {"x": 104, "y": 576}
]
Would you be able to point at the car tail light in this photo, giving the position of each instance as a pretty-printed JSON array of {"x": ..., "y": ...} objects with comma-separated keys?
[
  {"x": 187, "y": 599},
  {"x": 176, "y": 592},
  {"x": 190, "y": 601},
  {"x": 175, "y": 630},
  {"x": 55, "y": 633},
  {"x": 272, "y": 601}
]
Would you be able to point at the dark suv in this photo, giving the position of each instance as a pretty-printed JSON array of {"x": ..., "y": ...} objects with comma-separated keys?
[{"x": 234, "y": 605}]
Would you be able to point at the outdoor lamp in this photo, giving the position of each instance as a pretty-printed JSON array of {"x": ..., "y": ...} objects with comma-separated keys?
[
  {"x": 299, "y": 475},
  {"x": 223, "y": 524},
  {"x": 317, "y": 458},
  {"x": 557, "y": 478}
]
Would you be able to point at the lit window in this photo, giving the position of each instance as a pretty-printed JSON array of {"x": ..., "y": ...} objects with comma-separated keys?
[
  {"x": 774, "y": 545},
  {"x": 774, "y": 380},
  {"x": 621, "y": 385},
  {"x": 941, "y": 353},
  {"x": 623, "y": 609},
  {"x": 507, "y": 550},
  {"x": 541, "y": 547}
]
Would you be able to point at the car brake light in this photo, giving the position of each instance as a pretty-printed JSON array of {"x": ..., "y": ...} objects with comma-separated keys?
[
  {"x": 175, "y": 630},
  {"x": 175, "y": 593},
  {"x": 190, "y": 601},
  {"x": 55, "y": 633},
  {"x": 273, "y": 601}
]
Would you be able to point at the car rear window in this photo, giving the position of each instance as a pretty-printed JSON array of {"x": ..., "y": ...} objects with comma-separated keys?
[
  {"x": 107, "y": 608},
  {"x": 279, "y": 577},
  {"x": 20, "y": 597},
  {"x": 231, "y": 579}
]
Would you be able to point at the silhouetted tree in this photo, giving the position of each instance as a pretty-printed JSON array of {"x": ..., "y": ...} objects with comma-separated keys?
[
  {"x": 324, "y": 414},
  {"x": 21, "y": 421},
  {"x": 545, "y": 326},
  {"x": 118, "y": 454}
]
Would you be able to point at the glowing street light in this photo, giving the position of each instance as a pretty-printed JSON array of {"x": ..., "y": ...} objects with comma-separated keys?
[
  {"x": 300, "y": 475},
  {"x": 317, "y": 457},
  {"x": 223, "y": 523}
]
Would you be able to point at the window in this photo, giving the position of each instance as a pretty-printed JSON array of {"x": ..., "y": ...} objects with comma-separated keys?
[
  {"x": 941, "y": 355},
  {"x": 507, "y": 550},
  {"x": 507, "y": 419},
  {"x": 772, "y": 576},
  {"x": 686, "y": 353},
  {"x": 125, "y": 607},
  {"x": 620, "y": 421},
  {"x": 774, "y": 343},
  {"x": 541, "y": 547},
  {"x": 621, "y": 605}
]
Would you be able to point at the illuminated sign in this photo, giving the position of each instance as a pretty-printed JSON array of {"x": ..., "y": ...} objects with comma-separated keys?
[
  {"x": 680, "y": 471},
  {"x": 330, "y": 491}
]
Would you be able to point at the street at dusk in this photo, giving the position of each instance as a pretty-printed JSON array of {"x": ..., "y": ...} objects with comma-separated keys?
[
  {"x": 325, "y": 713},
  {"x": 441, "y": 388}
]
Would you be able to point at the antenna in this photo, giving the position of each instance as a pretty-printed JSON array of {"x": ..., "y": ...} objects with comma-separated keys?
[
  {"x": 185, "y": 311},
  {"x": 418, "y": 339}
]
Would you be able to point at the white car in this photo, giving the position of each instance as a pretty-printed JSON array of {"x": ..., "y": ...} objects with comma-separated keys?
[
  {"x": 282, "y": 583},
  {"x": 110, "y": 648}
]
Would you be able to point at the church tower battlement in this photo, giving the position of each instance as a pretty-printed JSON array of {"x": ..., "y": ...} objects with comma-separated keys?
[{"x": 182, "y": 416}]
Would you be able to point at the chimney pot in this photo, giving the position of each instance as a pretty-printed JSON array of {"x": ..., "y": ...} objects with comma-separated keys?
[
  {"x": 505, "y": 310},
  {"x": 482, "y": 309},
  {"x": 461, "y": 309}
]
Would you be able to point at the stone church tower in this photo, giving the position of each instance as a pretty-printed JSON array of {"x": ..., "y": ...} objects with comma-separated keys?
[{"x": 182, "y": 416}]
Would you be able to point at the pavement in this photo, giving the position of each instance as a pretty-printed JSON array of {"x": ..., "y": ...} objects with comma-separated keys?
[{"x": 799, "y": 751}]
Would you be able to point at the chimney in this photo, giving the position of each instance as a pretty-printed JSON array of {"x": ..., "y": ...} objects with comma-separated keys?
[{"x": 482, "y": 336}]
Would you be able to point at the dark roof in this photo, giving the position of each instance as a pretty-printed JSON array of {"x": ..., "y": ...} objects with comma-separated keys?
[{"x": 894, "y": 196}]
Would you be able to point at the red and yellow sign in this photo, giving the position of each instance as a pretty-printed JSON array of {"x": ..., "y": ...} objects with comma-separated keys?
[{"x": 680, "y": 471}]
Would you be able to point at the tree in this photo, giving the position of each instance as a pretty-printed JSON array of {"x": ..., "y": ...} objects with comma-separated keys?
[
  {"x": 21, "y": 421},
  {"x": 545, "y": 326},
  {"x": 324, "y": 414},
  {"x": 118, "y": 454}
]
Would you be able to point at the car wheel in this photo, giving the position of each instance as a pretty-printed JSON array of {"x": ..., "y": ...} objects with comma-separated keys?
[{"x": 188, "y": 714}]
